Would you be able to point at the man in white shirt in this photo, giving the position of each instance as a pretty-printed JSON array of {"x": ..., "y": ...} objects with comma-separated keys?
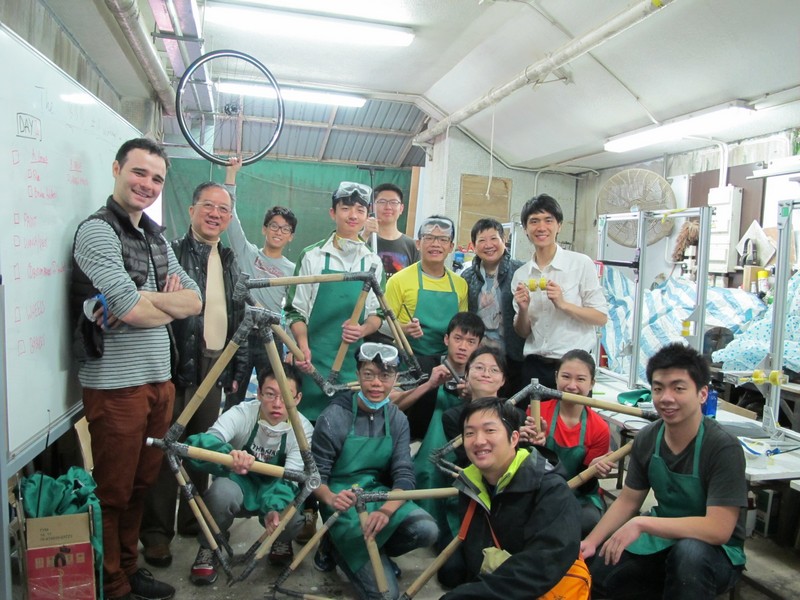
[{"x": 567, "y": 302}]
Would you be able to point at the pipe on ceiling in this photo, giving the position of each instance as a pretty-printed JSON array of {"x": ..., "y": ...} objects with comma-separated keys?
[
  {"x": 126, "y": 12},
  {"x": 567, "y": 53}
]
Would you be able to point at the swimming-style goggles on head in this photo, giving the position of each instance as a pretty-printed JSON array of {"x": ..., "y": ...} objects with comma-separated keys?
[
  {"x": 383, "y": 353},
  {"x": 357, "y": 191}
]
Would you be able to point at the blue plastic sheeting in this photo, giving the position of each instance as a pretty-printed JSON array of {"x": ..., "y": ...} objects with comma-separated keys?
[
  {"x": 663, "y": 311},
  {"x": 750, "y": 347}
]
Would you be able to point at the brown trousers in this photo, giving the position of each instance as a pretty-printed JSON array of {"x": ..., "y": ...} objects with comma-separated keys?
[{"x": 125, "y": 467}]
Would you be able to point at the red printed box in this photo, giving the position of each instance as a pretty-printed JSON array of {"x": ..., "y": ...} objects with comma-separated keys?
[{"x": 60, "y": 559}]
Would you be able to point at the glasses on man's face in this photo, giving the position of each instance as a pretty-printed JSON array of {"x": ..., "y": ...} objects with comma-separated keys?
[
  {"x": 441, "y": 239},
  {"x": 384, "y": 376},
  {"x": 207, "y": 206},
  {"x": 392, "y": 203},
  {"x": 271, "y": 396},
  {"x": 485, "y": 369},
  {"x": 287, "y": 229}
]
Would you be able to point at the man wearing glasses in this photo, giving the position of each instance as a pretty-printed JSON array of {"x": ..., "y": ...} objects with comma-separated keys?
[
  {"x": 253, "y": 430},
  {"x": 362, "y": 439},
  {"x": 200, "y": 340},
  {"x": 395, "y": 248},
  {"x": 424, "y": 297},
  {"x": 278, "y": 229}
]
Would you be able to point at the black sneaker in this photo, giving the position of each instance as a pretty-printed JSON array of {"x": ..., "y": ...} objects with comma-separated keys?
[
  {"x": 145, "y": 587},
  {"x": 323, "y": 561}
]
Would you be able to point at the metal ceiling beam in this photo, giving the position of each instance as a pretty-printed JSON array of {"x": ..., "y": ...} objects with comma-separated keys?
[
  {"x": 126, "y": 12},
  {"x": 323, "y": 146},
  {"x": 535, "y": 72}
]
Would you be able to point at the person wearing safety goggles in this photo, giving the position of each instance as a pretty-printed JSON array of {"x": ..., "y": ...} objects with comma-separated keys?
[
  {"x": 362, "y": 439},
  {"x": 425, "y": 296},
  {"x": 319, "y": 314}
]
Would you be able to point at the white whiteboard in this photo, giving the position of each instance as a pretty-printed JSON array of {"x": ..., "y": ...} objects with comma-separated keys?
[{"x": 57, "y": 144}]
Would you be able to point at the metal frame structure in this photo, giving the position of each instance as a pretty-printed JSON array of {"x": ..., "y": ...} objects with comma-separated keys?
[{"x": 698, "y": 315}]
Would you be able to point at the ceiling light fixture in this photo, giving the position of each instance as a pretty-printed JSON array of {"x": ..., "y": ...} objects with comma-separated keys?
[
  {"x": 290, "y": 94},
  {"x": 309, "y": 27},
  {"x": 699, "y": 123}
]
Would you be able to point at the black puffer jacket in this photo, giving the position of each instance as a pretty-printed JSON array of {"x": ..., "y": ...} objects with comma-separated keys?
[
  {"x": 193, "y": 257},
  {"x": 536, "y": 519},
  {"x": 505, "y": 271}
]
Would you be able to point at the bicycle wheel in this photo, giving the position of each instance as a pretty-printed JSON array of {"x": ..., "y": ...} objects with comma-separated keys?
[{"x": 229, "y": 104}]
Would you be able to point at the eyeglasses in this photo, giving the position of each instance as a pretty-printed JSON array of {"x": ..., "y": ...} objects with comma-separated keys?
[
  {"x": 392, "y": 203},
  {"x": 271, "y": 396},
  {"x": 209, "y": 206},
  {"x": 287, "y": 229},
  {"x": 442, "y": 239},
  {"x": 357, "y": 191},
  {"x": 485, "y": 369},
  {"x": 384, "y": 376},
  {"x": 369, "y": 351}
]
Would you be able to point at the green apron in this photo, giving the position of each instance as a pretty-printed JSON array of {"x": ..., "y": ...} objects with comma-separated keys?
[
  {"x": 333, "y": 305},
  {"x": 678, "y": 495},
  {"x": 256, "y": 486},
  {"x": 444, "y": 510},
  {"x": 572, "y": 459},
  {"x": 434, "y": 311},
  {"x": 361, "y": 462}
]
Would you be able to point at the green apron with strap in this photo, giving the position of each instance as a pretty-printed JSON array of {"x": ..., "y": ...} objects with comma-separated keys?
[
  {"x": 678, "y": 495},
  {"x": 361, "y": 462},
  {"x": 572, "y": 459},
  {"x": 433, "y": 311},
  {"x": 333, "y": 305},
  {"x": 443, "y": 510},
  {"x": 255, "y": 485}
]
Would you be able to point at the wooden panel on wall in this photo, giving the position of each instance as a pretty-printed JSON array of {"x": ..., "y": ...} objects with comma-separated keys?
[{"x": 475, "y": 205}]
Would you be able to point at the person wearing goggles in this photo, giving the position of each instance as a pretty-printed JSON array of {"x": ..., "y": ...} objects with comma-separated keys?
[
  {"x": 362, "y": 439},
  {"x": 395, "y": 248},
  {"x": 424, "y": 297},
  {"x": 327, "y": 322}
]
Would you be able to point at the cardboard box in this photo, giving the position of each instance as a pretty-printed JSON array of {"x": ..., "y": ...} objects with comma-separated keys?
[
  {"x": 768, "y": 504},
  {"x": 60, "y": 559}
]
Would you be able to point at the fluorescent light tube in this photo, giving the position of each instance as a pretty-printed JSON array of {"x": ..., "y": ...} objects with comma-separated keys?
[
  {"x": 700, "y": 123},
  {"x": 303, "y": 26},
  {"x": 290, "y": 94}
]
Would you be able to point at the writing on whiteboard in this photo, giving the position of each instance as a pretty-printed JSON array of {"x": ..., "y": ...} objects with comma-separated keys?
[{"x": 29, "y": 126}]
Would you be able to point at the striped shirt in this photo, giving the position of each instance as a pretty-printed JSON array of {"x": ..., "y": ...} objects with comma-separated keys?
[{"x": 133, "y": 355}]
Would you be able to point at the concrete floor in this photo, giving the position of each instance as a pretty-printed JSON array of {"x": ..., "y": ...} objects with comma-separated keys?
[
  {"x": 776, "y": 569},
  {"x": 772, "y": 572}
]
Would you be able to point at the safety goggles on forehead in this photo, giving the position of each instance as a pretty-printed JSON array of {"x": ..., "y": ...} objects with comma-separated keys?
[
  {"x": 445, "y": 225},
  {"x": 357, "y": 191},
  {"x": 383, "y": 353}
]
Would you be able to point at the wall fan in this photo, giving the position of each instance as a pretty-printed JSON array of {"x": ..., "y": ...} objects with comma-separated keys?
[{"x": 636, "y": 190}]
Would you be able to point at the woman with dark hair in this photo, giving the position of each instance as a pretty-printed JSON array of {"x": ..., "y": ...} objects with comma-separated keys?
[
  {"x": 575, "y": 433},
  {"x": 485, "y": 374}
]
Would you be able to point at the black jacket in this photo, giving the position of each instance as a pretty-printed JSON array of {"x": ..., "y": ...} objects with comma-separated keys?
[
  {"x": 505, "y": 271},
  {"x": 535, "y": 517},
  {"x": 138, "y": 253},
  {"x": 193, "y": 257}
]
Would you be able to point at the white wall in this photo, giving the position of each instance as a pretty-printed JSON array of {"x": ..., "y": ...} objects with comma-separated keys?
[{"x": 458, "y": 155}]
